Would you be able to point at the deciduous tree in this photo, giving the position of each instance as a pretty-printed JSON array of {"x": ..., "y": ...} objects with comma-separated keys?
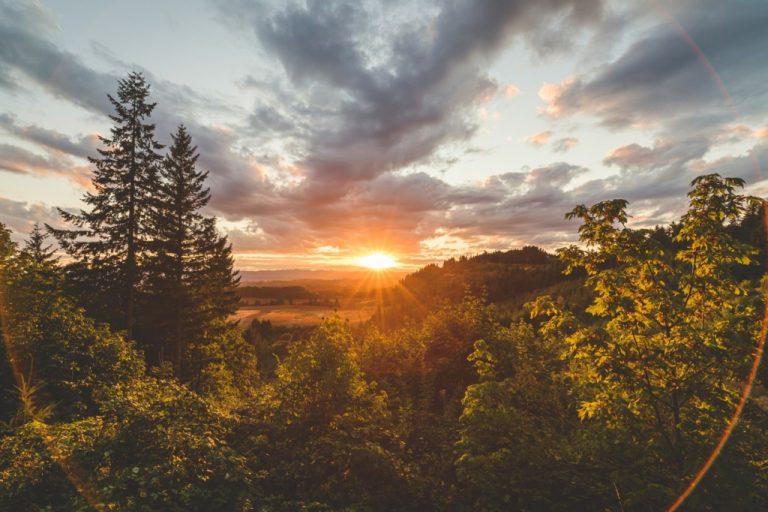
[{"x": 675, "y": 331}]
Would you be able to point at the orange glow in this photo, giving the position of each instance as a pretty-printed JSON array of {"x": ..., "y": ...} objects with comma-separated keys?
[{"x": 377, "y": 261}]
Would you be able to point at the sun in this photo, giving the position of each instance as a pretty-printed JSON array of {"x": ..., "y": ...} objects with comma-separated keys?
[{"x": 377, "y": 261}]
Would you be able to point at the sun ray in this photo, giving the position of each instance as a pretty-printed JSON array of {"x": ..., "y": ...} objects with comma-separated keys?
[{"x": 377, "y": 261}]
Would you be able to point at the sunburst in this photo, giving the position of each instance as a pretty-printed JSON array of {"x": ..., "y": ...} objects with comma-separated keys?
[{"x": 377, "y": 261}]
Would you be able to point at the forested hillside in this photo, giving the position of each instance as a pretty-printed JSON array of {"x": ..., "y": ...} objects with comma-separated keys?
[
  {"x": 599, "y": 378},
  {"x": 497, "y": 277}
]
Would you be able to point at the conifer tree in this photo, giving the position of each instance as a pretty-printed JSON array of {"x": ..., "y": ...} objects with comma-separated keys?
[
  {"x": 37, "y": 248},
  {"x": 39, "y": 273},
  {"x": 216, "y": 280},
  {"x": 190, "y": 281},
  {"x": 8, "y": 382},
  {"x": 109, "y": 239}
]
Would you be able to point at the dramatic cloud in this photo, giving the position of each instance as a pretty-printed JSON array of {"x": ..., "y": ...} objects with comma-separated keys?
[
  {"x": 379, "y": 104},
  {"x": 673, "y": 82},
  {"x": 666, "y": 77}
]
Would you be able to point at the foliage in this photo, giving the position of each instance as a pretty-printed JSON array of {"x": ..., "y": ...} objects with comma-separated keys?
[
  {"x": 348, "y": 455},
  {"x": 41, "y": 466},
  {"x": 223, "y": 367},
  {"x": 424, "y": 370},
  {"x": 52, "y": 344},
  {"x": 166, "y": 449},
  {"x": 519, "y": 434},
  {"x": 154, "y": 446},
  {"x": 666, "y": 359},
  {"x": 8, "y": 400}
]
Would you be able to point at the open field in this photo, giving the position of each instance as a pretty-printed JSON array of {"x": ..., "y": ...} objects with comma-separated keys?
[
  {"x": 303, "y": 315},
  {"x": 305, "y": 302}
]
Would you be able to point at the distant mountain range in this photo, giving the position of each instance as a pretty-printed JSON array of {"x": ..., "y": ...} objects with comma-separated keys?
[{"x": 292, "y": 274}]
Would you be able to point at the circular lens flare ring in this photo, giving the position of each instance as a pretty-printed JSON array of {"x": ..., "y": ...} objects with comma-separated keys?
[{"x": 758, "y": 356}]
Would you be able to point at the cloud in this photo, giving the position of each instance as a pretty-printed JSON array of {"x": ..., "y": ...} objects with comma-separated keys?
[
  {"x": 20, "y": 216},
  {"x": 363, "y": 97},
  {"x": 663, "y": 154},
  {"x": 565, "y": 144},
  {"x": 525, "y": 207},
  {"x": 18, "y": 160},
  {"x": 24, "y": 52},
  {"x": 661, "y": 79},
  {"x": 384, "y": 94},
  {"x": 539, "y": 139},
  {"x": 84, "y": 147},
  {"x": 511, "y": 90},
  {"x": 365, "y": 100},
  {"x": 57, "y": 148},
  {"x": 751, "y": 166}
]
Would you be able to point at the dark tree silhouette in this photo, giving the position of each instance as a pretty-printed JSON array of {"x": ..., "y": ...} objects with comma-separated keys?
[
  {"x": 109, "y": 239},
  {"x": 190, "y": 279}
]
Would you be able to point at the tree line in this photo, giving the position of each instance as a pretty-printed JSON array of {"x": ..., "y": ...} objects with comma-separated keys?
[{"x": 500, "y": 276}]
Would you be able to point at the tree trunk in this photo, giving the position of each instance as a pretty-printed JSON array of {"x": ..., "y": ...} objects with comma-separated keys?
[{"x": 130, "y": 264}]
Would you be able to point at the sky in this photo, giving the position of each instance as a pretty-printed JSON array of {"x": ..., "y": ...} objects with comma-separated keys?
[{"x": 425, "y": 130}]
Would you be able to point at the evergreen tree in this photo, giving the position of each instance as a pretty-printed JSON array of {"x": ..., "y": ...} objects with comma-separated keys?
[
  {"x": 37, "y": 248},
  {"x": 216, "y": 280},
  {"x": 176, "y": 225},
  {"x": 109, "y": 241},
  {"x": 8, "y": 383},
  {"x": 218, "y": 352},
  {"x": 190, "y": 282},
  {"x": 39, "y": 263}
]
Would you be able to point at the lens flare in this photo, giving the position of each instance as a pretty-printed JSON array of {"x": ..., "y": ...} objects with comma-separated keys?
[
  {"x": 760, "y": 347},
  {"x": 377, "y": 261}
]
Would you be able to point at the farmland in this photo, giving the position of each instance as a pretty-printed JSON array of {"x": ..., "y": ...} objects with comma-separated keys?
[
  {"x": 303, "y": 315},
  {"x": 305, "y": 302}
]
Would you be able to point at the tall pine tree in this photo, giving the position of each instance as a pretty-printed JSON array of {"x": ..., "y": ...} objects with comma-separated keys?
[
  {"x": 190, "y": 281},
  {"x": 110, "y": 240}
]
